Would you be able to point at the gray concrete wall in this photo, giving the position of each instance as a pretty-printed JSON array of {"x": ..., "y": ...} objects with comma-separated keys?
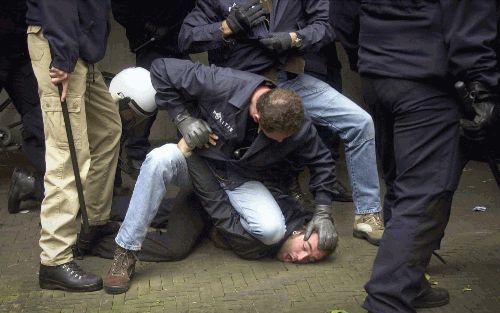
[{"x": 119, "y": 57}]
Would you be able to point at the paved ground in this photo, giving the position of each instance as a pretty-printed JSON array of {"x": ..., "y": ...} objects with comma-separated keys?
[{"x": 212, "y": 280}]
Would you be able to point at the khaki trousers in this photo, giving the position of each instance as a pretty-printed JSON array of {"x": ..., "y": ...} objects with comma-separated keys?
[{"x": 96, "y": 127}]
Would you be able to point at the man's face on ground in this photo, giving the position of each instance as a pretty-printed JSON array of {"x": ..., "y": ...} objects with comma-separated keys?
[{"x": 296, "y": 250}]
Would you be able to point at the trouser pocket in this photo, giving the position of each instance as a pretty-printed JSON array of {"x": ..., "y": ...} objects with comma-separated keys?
[{"x": 55, "y": 131}]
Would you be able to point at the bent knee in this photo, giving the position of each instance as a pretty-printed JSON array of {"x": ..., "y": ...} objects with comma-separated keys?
[
  {"x": 272, "y": 233},
  {"x": 163, "y": 156},
  {"x": 363, "y": 131}
]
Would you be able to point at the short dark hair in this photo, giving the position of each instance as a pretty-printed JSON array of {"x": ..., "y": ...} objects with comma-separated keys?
[{"x": 280, "y": 110}]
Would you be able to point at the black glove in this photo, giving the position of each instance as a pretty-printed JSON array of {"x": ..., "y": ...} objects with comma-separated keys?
[
  {"x": 485, "y": 110},
  {"x": 194, "y": 130},
  {"x": 322, "y": 223},
  {"x": 244, "y": 16},
  {"x": 277, "y": 42},
  {"x": 157, "y": 32}
]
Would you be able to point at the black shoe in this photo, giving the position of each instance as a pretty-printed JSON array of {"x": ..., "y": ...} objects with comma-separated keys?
[
  {"x": 22, "y": 187},
  {"x": 85, "y": 240},
  {"x": 431, "y": 298},
  {"x": 340, "y": 194},
  {"x": 69, "y": 277}
]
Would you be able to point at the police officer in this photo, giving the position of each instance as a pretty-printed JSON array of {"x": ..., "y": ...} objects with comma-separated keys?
[
  {"x": 411, "y": 53},
  {"x": 152, "y": 28},
  {"x": 244, "y": 129},
  {"x": 270, "y": 38},
  {"x": 65, "y": 39},
  {"x": 16, "y": 76}
]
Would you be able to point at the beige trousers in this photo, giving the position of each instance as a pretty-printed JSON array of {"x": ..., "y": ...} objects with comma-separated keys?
[{"x": 96, "y": 127}]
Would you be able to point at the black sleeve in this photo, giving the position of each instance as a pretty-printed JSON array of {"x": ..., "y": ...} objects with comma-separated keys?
[
  {"x": 318, "y": 32},
  {"x": 472, "y": 39},
  {"x": 60, "y": 22},
  {"x": 346, "y": 26},
  {"x": 314, "y": 154},
  {"x": 200, "y": 30},
  {"x": 215, "y": 202},
  {"x": 127, "y": 13}
]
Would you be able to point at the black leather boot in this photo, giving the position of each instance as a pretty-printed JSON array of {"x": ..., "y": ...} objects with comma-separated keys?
[
  {"x": 69, "y": 277},
  {"x": 22, "y": 187},
  {"x": 429, "y": 297},
  {"x": 85, "y": 240}
]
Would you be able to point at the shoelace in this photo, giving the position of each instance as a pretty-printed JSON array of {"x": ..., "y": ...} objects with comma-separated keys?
[
  {"x": 73, "y": 269},
  {"x": 120, "y": 263},
  {"x": 375, "y": 218}
]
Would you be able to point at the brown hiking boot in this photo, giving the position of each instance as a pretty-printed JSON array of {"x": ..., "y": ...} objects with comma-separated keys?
[
  {"x": 369, "y": 226},
  {"x": 121, "y": 271}
]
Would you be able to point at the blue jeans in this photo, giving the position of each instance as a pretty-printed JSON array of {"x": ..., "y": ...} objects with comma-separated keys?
[
  {"x": 260, "y": 215},
  {"x": 329, "y": 108}
]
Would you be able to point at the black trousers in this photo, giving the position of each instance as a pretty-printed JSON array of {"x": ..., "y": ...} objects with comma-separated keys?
[
  {"x": 18, "y": 79},
  {"x": 417, "y": 133}
]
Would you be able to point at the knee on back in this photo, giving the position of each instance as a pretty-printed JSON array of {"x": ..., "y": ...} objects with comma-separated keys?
[{"x": 272, "y": 231}]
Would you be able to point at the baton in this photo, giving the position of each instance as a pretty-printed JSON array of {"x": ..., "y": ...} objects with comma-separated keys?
[{"x": 74, "y": 162}]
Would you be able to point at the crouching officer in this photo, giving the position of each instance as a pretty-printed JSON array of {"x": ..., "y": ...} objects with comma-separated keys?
[
  {"x": 17, "y": 78},
  {"x": 65, "y": 39},
  {"x": 243, "y": 129},
  {"x": 405, "y": 64}
]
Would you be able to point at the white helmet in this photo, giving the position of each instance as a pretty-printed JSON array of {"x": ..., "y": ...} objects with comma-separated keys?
[{"x": 133, "y": 91}]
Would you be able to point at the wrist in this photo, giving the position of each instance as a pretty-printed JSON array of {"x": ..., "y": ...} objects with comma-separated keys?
[
  {"x": 225, "y": 29},
  {"x": 295, "y": 39}
]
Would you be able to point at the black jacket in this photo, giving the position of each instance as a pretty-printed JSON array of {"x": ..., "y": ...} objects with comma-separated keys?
[
  {"x": 221, "y": 97},
  {"x": 474, "y": 42},
  {"x": 74, "y": 28},
  {"x": 346, "y": 25},
  {"x": 201, "y": 32},
  {"x": 429, "y": 39},
  {"x": 141, "y": 17},
  {"x": 13, "y": 27}
]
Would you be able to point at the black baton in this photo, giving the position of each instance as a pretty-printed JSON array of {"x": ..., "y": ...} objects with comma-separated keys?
[{"x": 74, "y": 162}]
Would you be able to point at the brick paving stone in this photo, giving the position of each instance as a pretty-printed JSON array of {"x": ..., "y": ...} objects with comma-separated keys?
[{"x": 213, "y": 280}]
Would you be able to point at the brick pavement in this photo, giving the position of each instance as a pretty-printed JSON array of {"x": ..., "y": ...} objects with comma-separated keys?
[{"x": 213, "y": 280}]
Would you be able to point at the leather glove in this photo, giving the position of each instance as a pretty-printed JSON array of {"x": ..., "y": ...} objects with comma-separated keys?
[
  {"x": 277, "y": 42},
  {"x": 322, "y": 223},
  {"x": 158, "y": 32},
  {"x": 485, "y": 110},
  {"x": 195, "y": 131},
  {"x": 244, "y": 16}
]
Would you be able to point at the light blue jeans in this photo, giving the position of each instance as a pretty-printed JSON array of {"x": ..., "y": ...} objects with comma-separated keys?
[
  {"x": 260, "y": 215},
  {"x": 327, "y": 107}
]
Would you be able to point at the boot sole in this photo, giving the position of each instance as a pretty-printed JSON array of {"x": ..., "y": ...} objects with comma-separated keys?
[
  {"x": 362, "y": 235},
  {"x": 435, "y": 304},
  {"x": 115, "y": 290},
  {"x": 53, "y": 285}
]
